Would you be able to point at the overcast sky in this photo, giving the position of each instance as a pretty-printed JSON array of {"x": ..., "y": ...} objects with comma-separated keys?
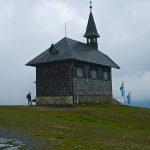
[{"x": 28, "y": 27}]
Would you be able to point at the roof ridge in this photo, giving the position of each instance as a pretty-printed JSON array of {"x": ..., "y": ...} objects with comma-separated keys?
[
  {"x": 85, "y": 44},
  {"x": 65, "y": 41},
  {"x": 78, "y": 42}
]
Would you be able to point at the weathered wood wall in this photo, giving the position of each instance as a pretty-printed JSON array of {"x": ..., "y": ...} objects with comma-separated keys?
[
  {"x": 91, "y": 87},
  {"x": 54, "y": 79}
]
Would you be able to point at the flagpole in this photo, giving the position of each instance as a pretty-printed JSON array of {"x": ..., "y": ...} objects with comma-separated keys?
[
  {"x": 124, "y": 98},
  {"x": 124, "y": 95},
  {"x": 129, "y": 98}
]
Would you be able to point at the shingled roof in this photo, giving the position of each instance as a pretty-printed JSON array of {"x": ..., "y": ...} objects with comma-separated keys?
[{"x": 68, "y": 49}]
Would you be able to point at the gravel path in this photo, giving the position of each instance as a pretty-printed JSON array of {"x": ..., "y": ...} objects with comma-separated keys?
[{"x": 10, "y": 140}]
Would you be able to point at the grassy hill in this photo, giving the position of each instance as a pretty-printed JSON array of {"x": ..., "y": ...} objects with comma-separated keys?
[{"x": 90, "y": 127}]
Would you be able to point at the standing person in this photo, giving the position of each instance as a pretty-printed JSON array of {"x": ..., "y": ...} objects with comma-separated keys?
[{"x": 29, "y": 99}]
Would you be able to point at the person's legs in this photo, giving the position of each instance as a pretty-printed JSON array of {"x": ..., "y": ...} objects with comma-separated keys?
[{"x": 28, "y": 102}]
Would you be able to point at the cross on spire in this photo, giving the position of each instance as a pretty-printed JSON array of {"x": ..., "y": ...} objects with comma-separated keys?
[{"x": 90, "y": 6}]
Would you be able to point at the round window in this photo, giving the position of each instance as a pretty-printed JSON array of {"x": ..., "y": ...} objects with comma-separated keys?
[
  {"x": 106, "y": 76},
  {"x": 94, "y": 74},
  {"x": 79, "y": 72}
]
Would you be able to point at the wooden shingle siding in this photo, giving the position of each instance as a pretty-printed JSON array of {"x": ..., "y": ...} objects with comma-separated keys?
[
  {"x": 54, "y": 79},
  {"x": 91, "y": 87}
]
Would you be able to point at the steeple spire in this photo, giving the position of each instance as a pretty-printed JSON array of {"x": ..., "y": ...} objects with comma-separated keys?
[{"x": 91, "y": 31}]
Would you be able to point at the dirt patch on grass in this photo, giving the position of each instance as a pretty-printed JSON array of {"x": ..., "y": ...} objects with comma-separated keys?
[{"x": 11, "y": 137}]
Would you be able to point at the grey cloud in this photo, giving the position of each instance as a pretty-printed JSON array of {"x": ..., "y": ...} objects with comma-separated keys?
[{"x": 27, "y": 28}]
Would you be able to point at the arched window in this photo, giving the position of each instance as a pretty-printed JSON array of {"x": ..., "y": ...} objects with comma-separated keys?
[
  {"x": 94, "y": 74},
  {"x": 106, "y": 76},
  {"x": 77, "y": 72}
]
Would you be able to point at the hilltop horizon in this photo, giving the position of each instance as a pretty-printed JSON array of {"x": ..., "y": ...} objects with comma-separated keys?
[{"x": 140, "y": 104}]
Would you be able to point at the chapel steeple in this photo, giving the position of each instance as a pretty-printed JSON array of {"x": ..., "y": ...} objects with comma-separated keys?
[{"x": 91, "y": 31}]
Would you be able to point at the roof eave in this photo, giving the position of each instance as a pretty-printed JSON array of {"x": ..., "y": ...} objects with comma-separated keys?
[
  {"x": 88, "y": 35},
  {"x": 36, "y": 64},
  {"x": 31, "y": 65}
]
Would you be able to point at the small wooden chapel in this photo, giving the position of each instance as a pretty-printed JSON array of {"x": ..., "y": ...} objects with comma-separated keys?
[{"x": 72, "y": 72}]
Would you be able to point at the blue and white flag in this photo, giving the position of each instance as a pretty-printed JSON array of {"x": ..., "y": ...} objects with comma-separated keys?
[
  {"x": 129, "y": 98},
  {"x": 122, "y": 89}
]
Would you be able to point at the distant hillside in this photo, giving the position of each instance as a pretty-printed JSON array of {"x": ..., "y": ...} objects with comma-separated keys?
[
  {"x": 89, "y": 127},
  {"x": 142, "y": 103}
]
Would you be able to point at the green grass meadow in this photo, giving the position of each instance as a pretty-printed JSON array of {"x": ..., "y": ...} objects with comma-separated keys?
[{"x": 89, "y": 127}]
